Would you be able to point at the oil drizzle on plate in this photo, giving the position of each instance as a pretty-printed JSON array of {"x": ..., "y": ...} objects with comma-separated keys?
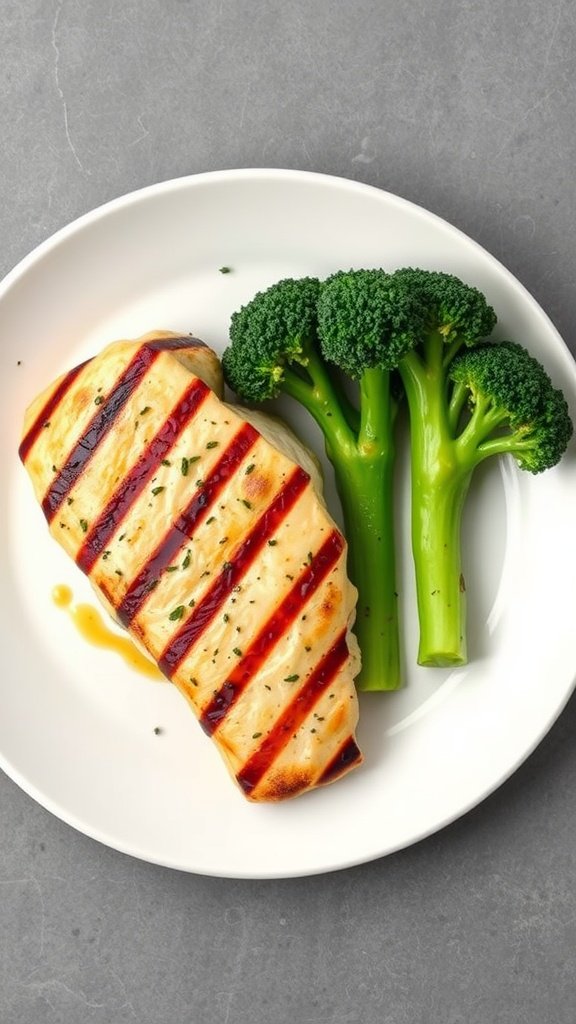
[{"x": 92, "y": 627}]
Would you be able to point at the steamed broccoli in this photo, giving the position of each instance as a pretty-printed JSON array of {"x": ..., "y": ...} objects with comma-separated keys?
[
  {"x": 467, "y": 400},
  {"x": 274, "y": 349}
]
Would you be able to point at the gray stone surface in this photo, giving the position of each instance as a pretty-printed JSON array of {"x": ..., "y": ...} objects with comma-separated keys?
[{"x": 468, "y": 109}]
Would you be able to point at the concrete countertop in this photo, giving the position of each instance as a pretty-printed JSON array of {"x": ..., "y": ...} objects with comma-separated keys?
[{"x": 467, "y": 110}]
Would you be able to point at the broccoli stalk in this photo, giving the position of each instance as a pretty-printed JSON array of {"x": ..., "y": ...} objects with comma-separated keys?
[
  {"x": 465, "y": 403},
  {"x": 274, "y": 350}
]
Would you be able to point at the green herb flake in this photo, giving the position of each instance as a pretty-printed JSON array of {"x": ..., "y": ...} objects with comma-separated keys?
[
  {"x": 226, "y": 617},
  {"x": 212, "y": 444},
  {"x": 191, "y": 603},
  {"x": 118, "y": 572},
  {"x": 199, "y": 483},
  {"x": 84, "y": 525},
  {"x": 187, "y": 559},
  {"x": 292, "y": 678},
  {"x": 247, "y": 503},
  {"x": 237, "y": 652},
  {"x": 98, "y": 400},
  {"x": 256, "y": 735},
  {"x": 158, "y": 490},
  {"x": 225, "y": 270},
  {"x": 184, "y": 466},
  {"x": 121, "y": 537},
  {"x": 211, "y": 520},
  {"x": 166, "y": 462},
  {"x": 171, "y": 568},
  {"x": 145, "y": 410},
  {"x": 226, "y": 566},
  {"x": 193, "y": 680},
  {"x": 250, "y": 468},
  {"x": 176, "y": 613},
  {"x": 69, "y": 501},
  {"x": 272, "y": 543},
  {"x": 106, "y": 555}
]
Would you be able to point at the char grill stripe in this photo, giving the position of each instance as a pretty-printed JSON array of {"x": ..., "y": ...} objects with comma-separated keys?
[
  {"x": 348, "y": 755},
  {"x": 174, "y": 344},
  {"x": 273, "y": 630},
  {"x": 136, "y": 479},
  {"x": 48, "y": 410},
  {"x": 98, "y": 428},
  {"x": 181, "y": 643},
  {"x": 287, "y": 724},
  {"x": 188, "y": 520}
]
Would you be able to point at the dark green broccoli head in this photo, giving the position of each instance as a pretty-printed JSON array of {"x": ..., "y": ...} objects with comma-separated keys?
[
  {"x": 447, "y": 305},
  {"x": 519, "y": 399},
  {"x": 272, "y": 331},
  {"x": 366, "y": 319}
]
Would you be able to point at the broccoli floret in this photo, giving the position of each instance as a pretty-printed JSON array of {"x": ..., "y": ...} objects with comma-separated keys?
[
  {"x": 467, "y": 399},
  {"x": 272, "y": 333},
  {"x": 274, "y": 349},
  {"x": 514, "y": 407}
]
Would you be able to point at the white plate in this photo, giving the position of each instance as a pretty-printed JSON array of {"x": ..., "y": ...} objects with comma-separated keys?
[{"x": 77, "y": 727}]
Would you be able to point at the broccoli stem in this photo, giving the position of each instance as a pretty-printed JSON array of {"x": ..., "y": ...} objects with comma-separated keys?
[
  {"x": 440, "y": 481},
  {"x": 436, "y": 545},
  {"x": 363, "y": 468},
  {"x": 365, "y": 488}
]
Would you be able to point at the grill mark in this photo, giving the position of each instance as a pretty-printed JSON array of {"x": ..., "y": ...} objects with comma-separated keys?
[
  {"x": 136, "y": 479},
  {"x": 172, "y": 344},
  {"x": 348, "y": 755},
  {"x": 47, "y": 411},
  {"x": 183, "y": 528},
  {"x": 181, "y": 643},
  {"x": 293, "y": 716},
  {"x": 278, "y": 623},
  {"x": 97, "y": 429}
]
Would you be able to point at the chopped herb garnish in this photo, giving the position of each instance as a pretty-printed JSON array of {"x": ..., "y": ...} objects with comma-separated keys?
[
  {"x": 310, "y": 557},
  {"x": 237, "y": 652},
  {"x": 289, "y": 577},
  {"x": 158, "y": 490},
  {"x": 187, "y": 559},
  {"x": 291, "y": 679},
  {"x": 267, "y": 687},
  {"x": 307, "y": 648},
  {"x": 211, "y": 520},
  {"x": 272, "y": 543},
  {"x": 118, "y": 572},
  {"x": 256, "y": 735},
  {"x": 193, "y": 680},
  {"x": 223, "y": 541},
  {"x": 106, "y": 555},
  {"x": 70, "y": 500},
  {"x": 250, "y": 468},
  {"x": 226, "y": 617},
  {"x": 199, "y": 483},
  {"x": 184, "y": 466},
  {"x": 227, "y": 565},
  {"x": 98, "y": 400},
  {"x": 157, "y": 730},
  {"x": 83, "y": 525},
  {"x": 47, "y": 424},
  {"x": 191, "y": 603},
  {"x": 213, "y": 444},
  {"x": 171, "y": 568},
  {"x": 145, "y": 409},
  {"x": 166, "y": 462},
  {"x": 176, "y": 613},
  {"x": 225, "y": 270},
  {"x": 247, "y": 503},
  {"x": 121, "y": 537}
]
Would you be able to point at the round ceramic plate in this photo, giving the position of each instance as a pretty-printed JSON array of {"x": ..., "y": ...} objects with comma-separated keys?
[{"x": 77, "y": 727}]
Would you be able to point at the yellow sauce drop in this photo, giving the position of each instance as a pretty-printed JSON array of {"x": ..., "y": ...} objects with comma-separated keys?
[{"x": 92, "y": 628}]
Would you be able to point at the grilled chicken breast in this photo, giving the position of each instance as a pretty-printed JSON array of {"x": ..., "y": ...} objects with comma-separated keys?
[{"x": 212, "y": 547}]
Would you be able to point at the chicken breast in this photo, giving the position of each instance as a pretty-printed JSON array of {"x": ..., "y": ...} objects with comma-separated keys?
[{"x": 212, "y": 547}]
